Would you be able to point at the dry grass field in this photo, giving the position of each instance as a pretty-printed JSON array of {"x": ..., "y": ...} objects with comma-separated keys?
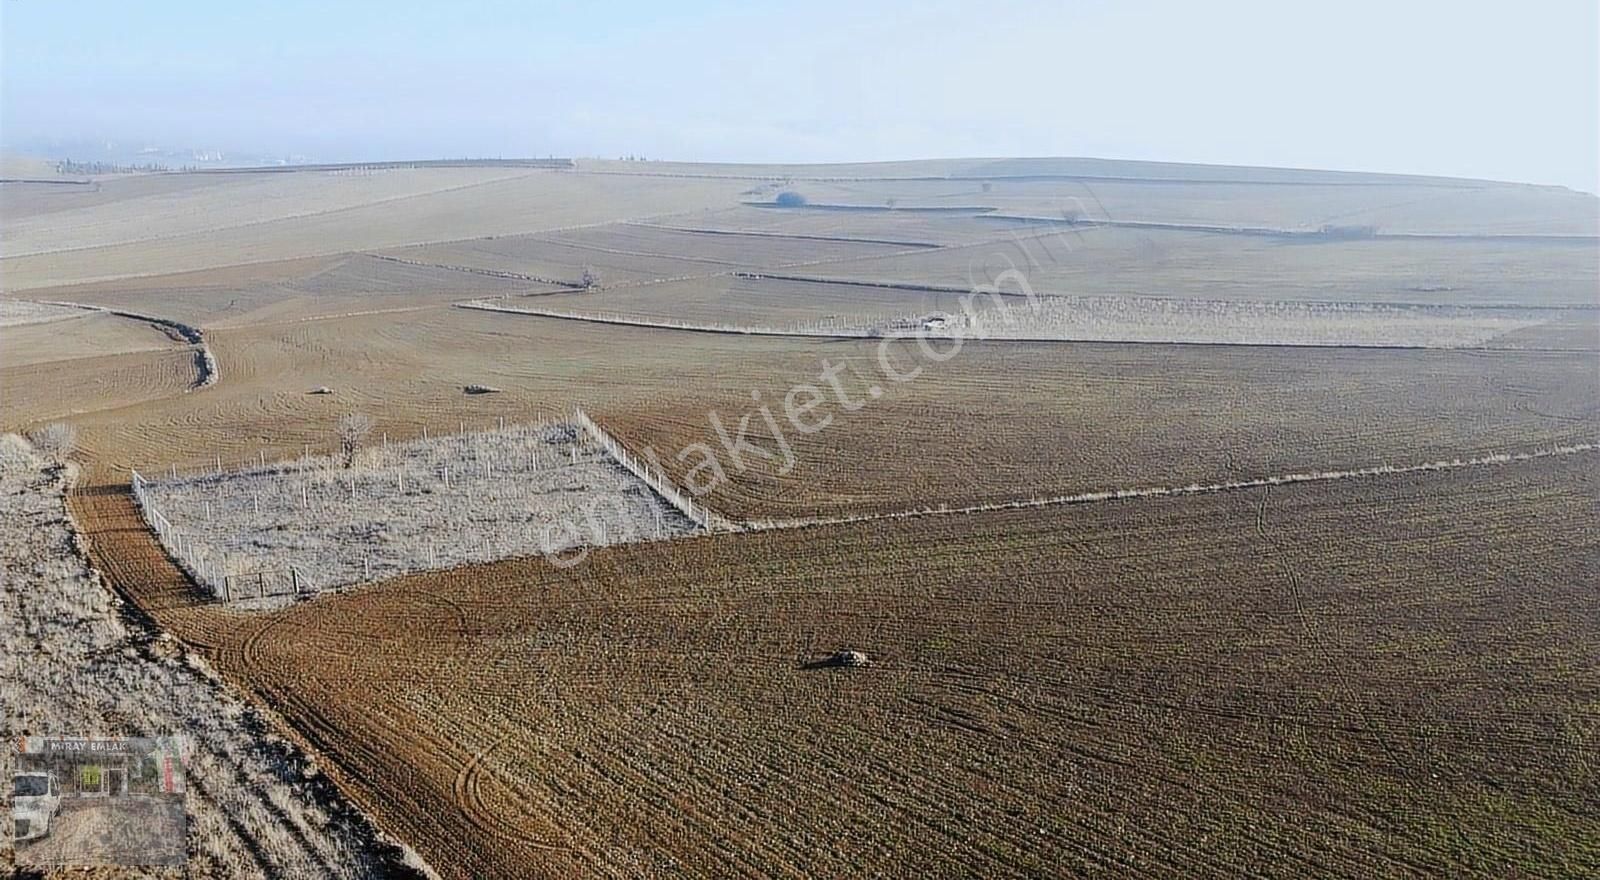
[
  {"x": 899, "y": 227},
  {"x": 1084, "y": 417},
  {"x": 731, "y": 249},
  {"x": 527, "y": 201},
  {"x": 1168, "y": 193},
  {"x": 1433, "y": 207},
  {"x": 224, "y": 201},
  {"x": 294, "y": 290},
  {"x": 17, "y": 313},
  {"x": 1381, "y": 676},
  {"x": 81, "y": 334},
  {"x": 1119, "y": 261}
]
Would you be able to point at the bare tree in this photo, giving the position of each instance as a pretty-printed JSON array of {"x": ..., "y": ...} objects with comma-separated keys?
[
  {"x": 590, "y": 278},
  {"x": 56, "y": 440},
  {"x": 353, "y": 431}
]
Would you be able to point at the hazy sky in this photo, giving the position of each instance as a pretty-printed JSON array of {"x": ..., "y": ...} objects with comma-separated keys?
[{"x": 1497, "y": 90}]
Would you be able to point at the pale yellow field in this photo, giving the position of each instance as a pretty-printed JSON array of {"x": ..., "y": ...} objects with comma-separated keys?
[
  {"x": 1116, "y": 261},
  {"x": 91, "y": 335},
  {"x": 522, "y": 203},
  {"x": 228, "y": 201},
  {"x": 292, "y": 290}
]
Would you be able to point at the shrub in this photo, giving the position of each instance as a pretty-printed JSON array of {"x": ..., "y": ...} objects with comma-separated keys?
[
  {"x": 353, "y": 430},
  {"x": 56, "y": 440}
]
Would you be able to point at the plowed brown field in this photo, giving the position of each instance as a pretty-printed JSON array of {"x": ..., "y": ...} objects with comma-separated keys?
[{"x": 1205, "y": 687}]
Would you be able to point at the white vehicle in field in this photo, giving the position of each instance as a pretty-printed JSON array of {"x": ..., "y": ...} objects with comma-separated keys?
[{"x": 35, "y": 801}]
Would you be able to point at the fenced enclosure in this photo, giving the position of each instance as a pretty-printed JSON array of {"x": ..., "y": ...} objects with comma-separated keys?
[
  {"x": 319, "y": 522},
  {"x": 699, "y": 514},
  {"x": 208, "y": 566}
]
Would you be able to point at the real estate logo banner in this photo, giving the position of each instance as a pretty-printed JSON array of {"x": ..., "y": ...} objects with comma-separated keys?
[{"x": 99, "y": 800}]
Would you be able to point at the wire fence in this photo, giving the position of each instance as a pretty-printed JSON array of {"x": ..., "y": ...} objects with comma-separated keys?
[
  {"x": 210, "y": 569},
  {"x": 265, "y": 584},
  {"x": 862, "y": 327},
  {"x": 295, "y": 526},
  {"x": 701, "y": 515}
]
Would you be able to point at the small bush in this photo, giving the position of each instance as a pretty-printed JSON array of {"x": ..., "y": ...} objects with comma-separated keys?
[
  {"x": 353, "y": 431},
  {"x": 56, "y": 440}
]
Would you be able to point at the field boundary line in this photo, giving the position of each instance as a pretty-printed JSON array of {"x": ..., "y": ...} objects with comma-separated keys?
[
  {"x": 1309, "y": 234},
  {"x": 797, "y": 236},
  {"x": 208, "y": 575},
  {"x": 916, "y": 287},
  {"x": 491, "y": 273},
  {"x": 733, "y": 269},
  {"x": 904, "y": 249},
  {"x": 703, "y": 516},
  {"x": 1389, "y": 179},
  {"x": 205, "y": 361},
  {"x": 825, "y": 333},
  {"x": 1493, "y": 460}
]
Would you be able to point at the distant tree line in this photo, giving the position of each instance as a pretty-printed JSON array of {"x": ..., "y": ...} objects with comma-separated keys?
[{"x": 71, "y": 166}]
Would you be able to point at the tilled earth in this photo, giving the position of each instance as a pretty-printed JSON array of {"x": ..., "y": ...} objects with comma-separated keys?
[{"x": 1207, "y": 686}]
